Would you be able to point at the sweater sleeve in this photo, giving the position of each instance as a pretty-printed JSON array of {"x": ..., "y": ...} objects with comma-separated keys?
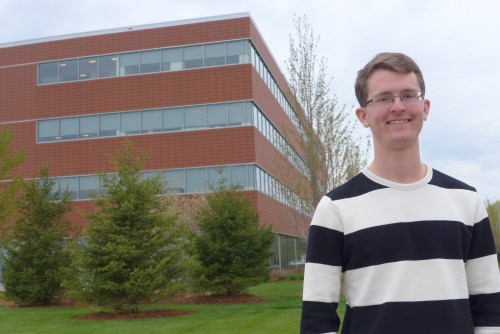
[
  {"x": 483, "y": 276},
  {"x": 323, "y": 271}
]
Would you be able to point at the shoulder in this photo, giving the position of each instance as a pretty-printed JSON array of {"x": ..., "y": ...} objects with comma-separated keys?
[
  {"x": 357, "y": 186},
  {"x": 443, "y": 180}
]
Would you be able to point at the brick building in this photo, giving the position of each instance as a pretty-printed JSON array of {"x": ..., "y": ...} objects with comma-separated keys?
[{"x": 203, "y": 98}]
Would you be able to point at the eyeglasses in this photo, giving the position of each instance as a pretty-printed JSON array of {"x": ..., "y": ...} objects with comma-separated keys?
[{"x": 408, "y": 98}]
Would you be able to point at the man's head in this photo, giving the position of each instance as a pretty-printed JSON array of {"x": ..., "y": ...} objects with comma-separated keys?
[{"x": 396, "y": 62}]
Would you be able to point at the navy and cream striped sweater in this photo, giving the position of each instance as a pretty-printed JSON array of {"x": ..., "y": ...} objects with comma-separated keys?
[{"x": 409, "y": 258}]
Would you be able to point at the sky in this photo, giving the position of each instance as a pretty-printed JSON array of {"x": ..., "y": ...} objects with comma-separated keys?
[{"x": 456, "y": 43}]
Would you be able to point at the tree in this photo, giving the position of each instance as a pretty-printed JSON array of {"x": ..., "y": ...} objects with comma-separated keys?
[
  {"x": 331, "y": 153},
  {"x": 493, "y": 208},
  {"x": 9, "y": 159},
  {"x": 233, "y": 250},
  {"x": 132, "y": 251},
  {"x": 36, "y": 251}
]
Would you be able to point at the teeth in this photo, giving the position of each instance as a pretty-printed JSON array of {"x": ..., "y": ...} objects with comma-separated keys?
[{"x": 401, "y": 121}]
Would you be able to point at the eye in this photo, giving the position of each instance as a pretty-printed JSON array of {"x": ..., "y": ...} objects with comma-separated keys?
[
  {"x": 408, "y": 95},
  {"x": 383, "y": 99}
]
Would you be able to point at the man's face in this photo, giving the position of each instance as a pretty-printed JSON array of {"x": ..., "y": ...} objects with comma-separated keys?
[{"x": 397, "y": 125}]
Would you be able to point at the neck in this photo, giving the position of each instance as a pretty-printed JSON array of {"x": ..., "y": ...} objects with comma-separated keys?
[{"x": 398, "y": 166}]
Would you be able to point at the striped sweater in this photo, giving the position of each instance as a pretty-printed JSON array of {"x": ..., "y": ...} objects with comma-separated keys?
[{"x": 409, "y": 258}]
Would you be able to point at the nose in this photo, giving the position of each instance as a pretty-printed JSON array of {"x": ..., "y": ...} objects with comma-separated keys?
[{"x": 397, "y": 103}]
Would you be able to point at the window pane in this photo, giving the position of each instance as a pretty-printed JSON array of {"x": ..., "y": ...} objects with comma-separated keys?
[
  {"x": 109, "y": 125},
  {"x": 68, "y": 70},
  {"x": 48, "y": 130},
  {"x": 195, "y": 117},
  {"x": 129, "y": 63},
  {"x": 69, "y": 184},
  {"x": 151, "y": 121},
  {"x": 174, "y": 180},
  {"x": 89, "y": 186},
  {"x": 173, "y": 119},
  {"x": 217, "y": 177},
  {"x": 196, "y": 180},
  {"x": 193, "y": 56},
  {"x": 237, "y": 114},
  {"x": 48, "y": 72},
  {"x": 69, "y": 128},
  {"x": 89, "y": 126},
  {"x": 246, "y": 52},
  {"x": 215, "y": 54},
  {"x": 217, "y": 115},
  {"x": 171, "y": 59},
  {"x": 150, "y": 61},
  {"x": 88, "y": 68},
  {"x": 239, "y": 176},
  {"x": 108, "y": 66},
  {"x": 131, "y": 123},
  {"x": 233, "y": 52}
]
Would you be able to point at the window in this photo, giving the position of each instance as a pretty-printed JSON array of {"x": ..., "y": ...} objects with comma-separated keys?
[
  {"x": 68, "y": 70},
  {"x": 215, "y": 54},
  {"x": 233, "y": 52},
  {"x": 108, "y": 66},
  {"x": 217, "y": 177},
  {"x": 48, "y": 130},
  {"x": 151, "y": 121},
  {"x": 192, "y": 56},
  {"x": 196, "y": 180},
  {"x": 239, "y": 176},
  {"x": 173, "y": 119},
  {"x": 88, "y": 68},
  {"x": 150, "y": 61},
  {"x": 68, "y": 128},
  {"x": 195, "y": 117},
  {"x": 89, "y": 187},
  {"x": 175, "y": 181},
  {"x": 48, "y": 73},
  {"x": 89, "y": 126},
  {"x": 237, "y": 114},
  {"x": 129, "y": 63},
  {"x": 69, "y": 184},
  {"x": 131, "y": 123},
  {"x": 171, "y": 59},
  {"x": 217, "y": 115},
  {"x": 109, "y": 125}
]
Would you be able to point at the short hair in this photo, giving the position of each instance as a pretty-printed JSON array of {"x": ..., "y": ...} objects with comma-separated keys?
[{"x": 396, "y": 62}]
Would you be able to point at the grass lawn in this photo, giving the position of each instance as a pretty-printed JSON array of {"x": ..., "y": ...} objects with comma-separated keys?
[{"x": 280, "y": 314}]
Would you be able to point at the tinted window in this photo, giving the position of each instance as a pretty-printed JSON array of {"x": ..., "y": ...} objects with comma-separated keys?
[
  {"x": 68, "y": 70},
  {"x": 89, "y": 186},
  {"x": 48, "y": 130},
  {"x": 88, "y": 68},
  {"x": 109, "y": 125},
  {"x": 69, "y": 184},
  {"x": 129, "y": 63},
  {"x": 131, "y": 123},
  {"x": 171, "y": 59},
  {"x": 193, "y": 56},
  {"x": 196, "y": 180},
  {"x": 237, "y": 114},
  {"x": 48, "y": 72},
  {"x": 175, "y": 181},
  {"x": 195, "y": 117},
  {"x": 217, "y": 177},
  {"x": 151, "y": 121},
  {"x": 173, "y": 119},
  {"x": 89, "y": 126},
  {"x": 215, "y": 54},
  {"x": 150, "y": 61},
  {"x": 233, "y": 52},
  {"x": 108, "y": 66},
  {"x": 69, "y": 128},
  {"x": 216, "y": 115}
]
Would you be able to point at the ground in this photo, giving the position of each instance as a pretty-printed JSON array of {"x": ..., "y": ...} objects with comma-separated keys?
[{"x": 163, "y": 313}]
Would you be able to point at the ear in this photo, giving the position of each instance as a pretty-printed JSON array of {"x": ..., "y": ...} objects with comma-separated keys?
[
  {"x": 427, "y": 107},
  {"x": 362, "y": 117}
]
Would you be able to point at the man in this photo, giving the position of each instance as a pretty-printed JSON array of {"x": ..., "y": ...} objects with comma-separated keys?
[{"x": 411, "y": 247}]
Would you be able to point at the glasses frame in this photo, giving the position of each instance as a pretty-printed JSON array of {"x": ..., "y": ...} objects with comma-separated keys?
[{"x": 390, "y": 102}]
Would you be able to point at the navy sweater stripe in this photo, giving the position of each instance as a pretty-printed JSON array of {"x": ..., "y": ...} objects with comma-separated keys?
[
  {"x": 413, "y": 241},
  {"x": 319, "y": 318},
  {"x": 479, "y": 303},
  {"x": 330, "y": 240}
]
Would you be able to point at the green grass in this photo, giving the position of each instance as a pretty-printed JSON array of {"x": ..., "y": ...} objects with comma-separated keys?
[{"x": 279, "y": 314}]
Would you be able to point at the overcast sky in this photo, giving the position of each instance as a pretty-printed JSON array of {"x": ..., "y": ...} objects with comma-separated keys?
[{"x": 456, "y": 43}]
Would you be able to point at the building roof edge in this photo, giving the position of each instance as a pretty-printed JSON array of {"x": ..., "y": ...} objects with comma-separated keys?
[{"x": 126, "y": 28}]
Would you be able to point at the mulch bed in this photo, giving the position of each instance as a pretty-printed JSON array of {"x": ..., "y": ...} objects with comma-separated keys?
[{"x": 163, "y": 313}]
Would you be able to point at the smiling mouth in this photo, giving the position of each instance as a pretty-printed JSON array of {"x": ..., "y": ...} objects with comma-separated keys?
[{"x": 399, "y": 121}]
